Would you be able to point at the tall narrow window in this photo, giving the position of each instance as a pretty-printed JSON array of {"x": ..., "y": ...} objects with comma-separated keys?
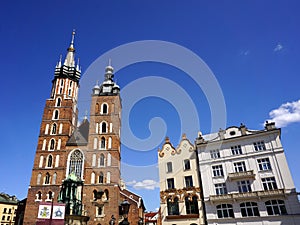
[
  {"x": 188, "y": 181},
  {"x": 101, "y": 178},
  {"x": 57, "y": 161},
  {"x": 94, "y": 160},
  {"x": 95, "y": 142},
  {"x": 49, "y": 161},
  {"x": 102, "y": 145},
  {"x": 55, "y": 114},
  {"x": 39, "y": 195},
  {"x": 76, "y": 163},
  {"x": 103, "y": 127},
  {"x": 58, "y": 102},
  {"x": 44, "y": 144},
  {"x": 47, "y": 178},
  {"x": 41, "y": 161},
  {"x": 53, "y": 130},
  {"x": 97, "y": 108},
  {"x": 101, "y": 161},
  {"x": 92, "y": 178},
  {"x": 109, "y": 142},
  {"x": 108, "y": 159},
  {"x": 50, "y": 195},
  {"x": 104, "y": 108},
  {"x": 108, "y": 177},
  {"x": 52, "y": 144}
]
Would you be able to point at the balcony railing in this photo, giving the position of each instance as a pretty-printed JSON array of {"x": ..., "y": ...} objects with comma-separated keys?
[
  {"x": 247, "y": 195},
  {"x": 241, "y": 175}
]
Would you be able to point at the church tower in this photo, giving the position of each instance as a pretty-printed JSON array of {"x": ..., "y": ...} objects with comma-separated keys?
[
  {"x": 58, "y": 123},
  {"x": 102, "y": 176}
]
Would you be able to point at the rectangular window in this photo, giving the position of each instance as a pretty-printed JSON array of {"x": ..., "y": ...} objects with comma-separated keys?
[
  {"x": 188, "y": 181},
  {"x": 218, "y": 171},
  {"x": 215, "y": 154},
  {"x": 187, "y": 164},
  {"x": 269, "y": 183},
  {"x": 264, "y": 164},
  {"x": 169, "y": 167},
  {"x": 170, "y": 183},
  {"x": 3, "y": 217},
  {"x": 244, "y": 186},
  {"x": 239, "y": 167},
  {"x": 99, "y": 211},
  {"x": 221, "y": 189},
  {"x": 9, "y": 211},
  {"x": 4, "y": 210},
  {"x": 236, "y": 150},
  {"x": 259, "y": 146}
]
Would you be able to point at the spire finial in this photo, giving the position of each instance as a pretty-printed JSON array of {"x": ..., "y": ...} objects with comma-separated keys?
[
  {"x": 71, "y": 48},
  {"x": 109, "y": 62},
  {"x": 73, "y": 36},
  {"x": 85, "y": 115}
]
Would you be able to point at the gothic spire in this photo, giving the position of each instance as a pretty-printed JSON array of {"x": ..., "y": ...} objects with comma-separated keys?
[{"x": 70, "y": 58}]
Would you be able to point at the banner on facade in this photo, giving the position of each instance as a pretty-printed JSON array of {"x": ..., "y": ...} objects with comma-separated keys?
[{"x": 51, "y": 214}]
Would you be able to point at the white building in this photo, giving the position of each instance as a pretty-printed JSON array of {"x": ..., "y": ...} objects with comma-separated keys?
[
  {"x": 246, "y": 179},
  {"x": 180, "y": 199}
]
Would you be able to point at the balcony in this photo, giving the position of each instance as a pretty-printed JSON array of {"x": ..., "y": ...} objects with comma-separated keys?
[
  {"x": 247, "y": 195},
  {"x": 241, "y": 175}
]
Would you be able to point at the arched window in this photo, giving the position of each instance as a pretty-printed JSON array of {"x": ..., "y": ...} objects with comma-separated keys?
[
  {"x": 97, "y": 108},
  {"x": 106, "y": 193},
  {"x": 39, "y": 195},
  {"x": 58, "y": 102},
  {"x": 102, "y": 145},
  {"x": 276, "y": 207},
  {"x": 52, "y": 144},
  {"x": 49, "y": 161},
  {"x": 103, "y": 127},
  {"x": 54, "y": 128},
  {"x": 41, "y": 161},
  {"x": 173, "y": 206},
  {"x": 76, "y": 163},
  {"x": 104, "y": 108},
  {"x": 50, "y": 195},
  {"x": 249, "y": 209},
  {"x": 92, "y": 178},
  {"x": 101, "y": 178},
  {"x": 191, "y": 205},
  {"x": 94, "y": 160},
  {"x": 54, "y": 178},
  {"x": 55, "y": 114},
  {"x": 225, "y": 211},
  {"x": 101, "y": 161},
  {"x": 108, "y": 177},
  {"x": 38, "y": 179},
  {"x": 47, "y": 178},
  {"x": 108, "y": 159},
  {"x": 95, "y": 142}
]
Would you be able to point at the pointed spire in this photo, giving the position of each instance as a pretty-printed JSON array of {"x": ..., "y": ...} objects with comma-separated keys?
[{"x": 69, "y": 61}]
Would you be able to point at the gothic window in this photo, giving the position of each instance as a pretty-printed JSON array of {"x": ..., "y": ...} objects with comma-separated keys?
[
  {"x": 97, "y": 108},
  {"x": 225, "y": 211},
  {"x": 46, "y": 128},
  {"x": 76, "y": 163},
  {"x": 58, "y": 102},
  {"x": 47, "y": 178},
  {"x": 38, "y": 179},
  {"x": 49, "y": 161},
  {"x": 104, "y": 108},
  {"x": 103, "y": 127},
  {"x": 57, "y": 161},
  {"x": 191, "y": 205},
  {"x": 102, "y": 145},
  {"x": 41, "y": 161},
  {"x": 70, "y": 92},
  {"x": 102, "y": 158},
  {"x": 106, "y": 193},
  {"x": 44, "y": 144},
  {"x": 52, "y": 144},
  {"x": 101, "y": 178},
  {"x": 50, "y": 195},
  {"x": 54, "y": 178},
  {"x": 249, "y": 209},
  {"x": 55, "y": 114},
  {"x": 173, "y": 206},
  {"x": 276, "y": 207},
  {"x": 109, "y": 142},
  {"x": 108, "y": 159},
  {"x": 39, "y": 195},
  {"x": 53, "y": 129}
]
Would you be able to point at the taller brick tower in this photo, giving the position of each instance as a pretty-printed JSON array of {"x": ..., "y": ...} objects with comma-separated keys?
[{"x": 58, "y": 123}]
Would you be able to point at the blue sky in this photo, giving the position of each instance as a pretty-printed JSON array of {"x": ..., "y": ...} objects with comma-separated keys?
[{"x": 252, "y": 48}]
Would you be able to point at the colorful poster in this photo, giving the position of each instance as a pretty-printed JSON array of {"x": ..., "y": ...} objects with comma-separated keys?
[{"x": 44, "y": 211}]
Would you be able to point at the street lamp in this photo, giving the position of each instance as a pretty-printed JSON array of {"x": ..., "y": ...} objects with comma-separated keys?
[
  {"x": 140, "y": 222},
  {"x": 112, "y": 220},
  {"x": 125, "y": 209}
]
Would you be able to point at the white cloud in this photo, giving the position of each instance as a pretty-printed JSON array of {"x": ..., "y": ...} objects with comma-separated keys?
[
  {"x": 286, "y": 114},
  {"x": 278, "y": 47},
  {"x": 144, "y": 184}
]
